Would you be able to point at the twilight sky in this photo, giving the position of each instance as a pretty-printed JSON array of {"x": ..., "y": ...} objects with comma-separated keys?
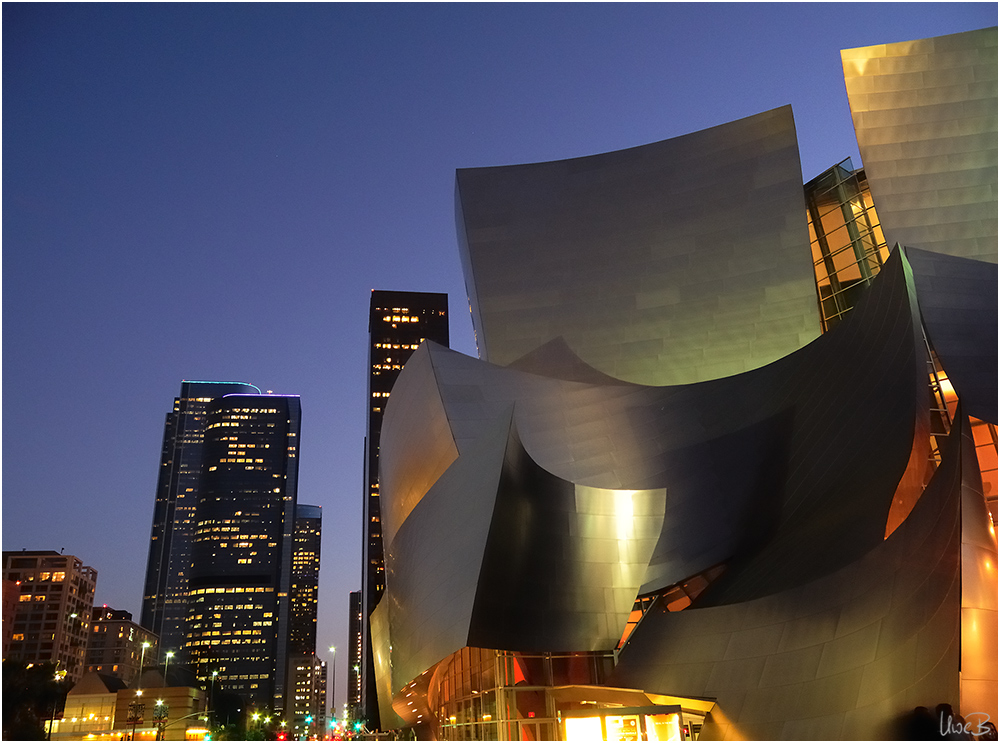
[{"x": 210, "y": 191}]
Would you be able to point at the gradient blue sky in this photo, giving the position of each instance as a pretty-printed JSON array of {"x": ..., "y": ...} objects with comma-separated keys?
[{"x": 211, "y": 192}]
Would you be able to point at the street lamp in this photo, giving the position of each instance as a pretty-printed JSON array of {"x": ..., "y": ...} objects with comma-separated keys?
[
  {"x": 333, "y": 691},
  {"x": 166, "y": 665},
  {"x": 211, "y": 700},
  {"x": 160, "y": 713},
  {"x": 142, "y": 661}
]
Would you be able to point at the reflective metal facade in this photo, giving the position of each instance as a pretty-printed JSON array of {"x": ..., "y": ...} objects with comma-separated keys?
[
  {"x": 793, "y": 540},
  {"x": 958, "y": 305},
  {"x": 838, "y": 658},
  {"x": 510, "y": 533},
  {"x": 925, "y": 115},
  {"x": 670, "y": 263}
]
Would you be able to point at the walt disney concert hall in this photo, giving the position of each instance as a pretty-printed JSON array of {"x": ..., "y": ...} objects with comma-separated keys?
[{"x": 726, "y": 467}]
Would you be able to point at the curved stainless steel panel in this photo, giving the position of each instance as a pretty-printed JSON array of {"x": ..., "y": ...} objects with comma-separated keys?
[
  {"x": 670, "y": 263},
  {"x": 958, "y": 304},
  {"x": 412, "y": 465},
  {"x": 433, "y": 564},
  {"x": 563, "y": 562},
  {"x": 925, "y": 115},
  {"x": 837, "y": 658},
  {"x": 812, "y": 442}
]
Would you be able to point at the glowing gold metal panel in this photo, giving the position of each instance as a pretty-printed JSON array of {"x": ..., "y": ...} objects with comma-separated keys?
[
  {"x": 925, "y": 116},
  {"x": 382, "y": 651}
]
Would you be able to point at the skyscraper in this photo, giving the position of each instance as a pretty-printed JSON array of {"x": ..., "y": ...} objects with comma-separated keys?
[
  {"x": 306, "y": 687},
  {"x": 239, "y": 613},
  {"x": 305, "y": 578},
  {"x": 164, "y": 602},
  {"x": 305, "y": 711},
  {"x": 354, "y": 656},
  {"x": 398, "y": 323}
]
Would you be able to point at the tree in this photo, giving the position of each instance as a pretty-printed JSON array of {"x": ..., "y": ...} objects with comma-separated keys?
[{"x": 31, "y": 697}]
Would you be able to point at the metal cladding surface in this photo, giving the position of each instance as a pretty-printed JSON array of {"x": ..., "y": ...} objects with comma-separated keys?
[
  {"x": 434, "y": 562},
  {"x": 814, "y": 443},
  {"x": 417, "y": 462},
  {"x": 670, "y": 263},
  {"x": 563, "y": 562},
  {"x": 925, "y": 116},
  {"x": 501, "y": 554},
  {"x": 837, "y": 658},
  {"x": 958, "y": 304},
  {"x": 568, "y": 499},
  {"x": 656, "y": 422}
]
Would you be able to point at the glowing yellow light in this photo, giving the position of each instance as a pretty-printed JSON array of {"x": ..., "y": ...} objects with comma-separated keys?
[
  {"x": 623, "y": 513},
  {"x": 584, "y": 729},
  {"x": 663, "y": 727}
]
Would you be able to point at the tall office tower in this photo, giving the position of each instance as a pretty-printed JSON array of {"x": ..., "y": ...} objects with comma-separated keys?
[
  {"x": 239, "y": 613},
  {"x": 355, "y": 623},
  {"x": 306, "y": 710},
  {"x": 164, "y": 601},
  {"x": 398, "y": 323},
  {"x": 52, "y": 619},
  {"x": 119, "y": 647},
  {"x": 305, "y": 579},
  {"x": 304, "y": 705}
]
